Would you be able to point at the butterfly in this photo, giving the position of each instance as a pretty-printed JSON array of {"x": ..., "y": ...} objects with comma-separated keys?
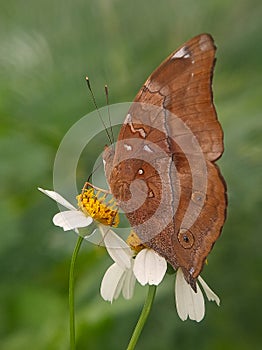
[{"x": 162, "y": 170}]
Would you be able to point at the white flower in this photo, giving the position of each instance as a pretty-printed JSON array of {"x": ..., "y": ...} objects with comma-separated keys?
[
  {"x": 70, "y": 219},
  {"x": 117, "y": 248},
  {"x": 147, "y": 267},
  {"x": 117, "y": 280},
  {"x": 191, "y": 304},
  {"x": 119, "y": 277}
]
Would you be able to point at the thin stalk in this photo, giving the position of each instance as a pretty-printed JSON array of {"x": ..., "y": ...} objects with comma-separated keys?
[
  {"x": 143, "y": 317},
  {"x": 71, "y": 293}
]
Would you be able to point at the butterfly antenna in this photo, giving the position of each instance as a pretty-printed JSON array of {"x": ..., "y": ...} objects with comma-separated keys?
[
  {"x": 94, "y": 170},
  {"x": 94, "y": 101},
  {"x": 109, "y": 116}
]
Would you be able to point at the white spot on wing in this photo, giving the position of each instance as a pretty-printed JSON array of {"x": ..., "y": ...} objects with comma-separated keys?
[
  {"x": 141, "y": 132},
  {"x": 128, "y": 147},
  {"x": 128, "y": 119},
  {"x": 204, "y": 43},
  {"x": 147, "y": 148},
  {"x": 191, "y": 270},
  {"x": 181, "y": 53}
]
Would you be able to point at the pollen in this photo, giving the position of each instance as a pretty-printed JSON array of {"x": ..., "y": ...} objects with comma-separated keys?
[
  {"x": 134, "y": 242},
  {"x": 95, "y": 205}
]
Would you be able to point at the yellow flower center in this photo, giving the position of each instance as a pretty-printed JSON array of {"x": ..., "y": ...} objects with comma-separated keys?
[{"x": 91, "y": 204}]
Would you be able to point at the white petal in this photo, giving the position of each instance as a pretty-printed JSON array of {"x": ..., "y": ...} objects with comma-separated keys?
[
  {"x": 211, "y": 296},
  {"x": 71, "y": 219},
  {"x": 117, "y": 248},
  {"x": 58, "y": 198},
  {"x": 129, "y": 284},
  {"x": 188, "y": 303},
  {"x": 112, "y": 282},
  {"x": 149, "y": 267}
]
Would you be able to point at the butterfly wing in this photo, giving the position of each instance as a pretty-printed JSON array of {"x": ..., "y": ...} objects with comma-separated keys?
[{"x": 163, "y": 172}]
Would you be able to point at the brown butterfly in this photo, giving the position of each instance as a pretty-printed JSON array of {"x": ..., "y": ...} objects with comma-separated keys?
[{"x": 162, "y": 171}]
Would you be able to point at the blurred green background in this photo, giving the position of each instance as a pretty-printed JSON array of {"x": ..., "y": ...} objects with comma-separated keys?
[{"x": 46, "y": 49}]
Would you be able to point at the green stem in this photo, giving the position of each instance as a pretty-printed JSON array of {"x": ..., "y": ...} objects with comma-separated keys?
[
  {"x": 71, "y": 293},
  {"x": 143, "y": 317}
]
